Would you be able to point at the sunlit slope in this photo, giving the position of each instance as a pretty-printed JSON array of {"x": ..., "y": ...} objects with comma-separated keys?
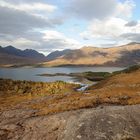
[{"x": 115, "y": 56}]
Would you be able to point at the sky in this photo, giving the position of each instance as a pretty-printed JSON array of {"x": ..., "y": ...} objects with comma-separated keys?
[{"x": 49, "y": 25}]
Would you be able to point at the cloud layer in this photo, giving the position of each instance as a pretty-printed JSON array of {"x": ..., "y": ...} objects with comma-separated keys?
[{"x": 42, "y": 24}]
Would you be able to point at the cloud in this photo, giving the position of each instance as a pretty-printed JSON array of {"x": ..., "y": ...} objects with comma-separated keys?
[
  {"x": 133, "y": 37},
  {"x": 99, "y": 9},
  {"x": 131, "y": 23},
  {"x": 45, "y": 42},
  {"x": 112, "y": 30},
  {"x": 21, "y": 22},
  {"x": 19, "y": 17},
  {"x": 21, "y": 43},
  {"x": 89, "y": 9},
  {"x": 17, "y": 22},
  {"x": 124, "y": 9},
  {"x": 35, "y": 8},
  {"x": 57, "y": 40},
  {"x": 34, "y": 23},
  {"x": 104, "y": 28}
]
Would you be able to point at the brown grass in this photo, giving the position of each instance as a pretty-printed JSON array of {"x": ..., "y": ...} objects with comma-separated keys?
[{"x": 122, "y": 89}]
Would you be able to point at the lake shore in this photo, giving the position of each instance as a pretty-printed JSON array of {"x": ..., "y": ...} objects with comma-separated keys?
[
  {"x": 124, "y": 91},
  {"x": 90, "y": 76},
  {"x": 68, "y": 76}
]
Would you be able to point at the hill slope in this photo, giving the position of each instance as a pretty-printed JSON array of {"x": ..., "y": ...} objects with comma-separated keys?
[
  {"x": 57, "y": 54},
  {"x": 116, "y": 56},
  {"x": 110, "y": 110},
  {"x": 11, "y": 55}
]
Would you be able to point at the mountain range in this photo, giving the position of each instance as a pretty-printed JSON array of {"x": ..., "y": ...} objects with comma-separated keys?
[
  {"x": 125, "y": 55},
  {"x": 12, "y": 56}
]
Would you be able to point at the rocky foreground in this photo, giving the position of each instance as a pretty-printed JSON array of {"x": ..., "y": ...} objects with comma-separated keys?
[{"x": 101, "y": 123}]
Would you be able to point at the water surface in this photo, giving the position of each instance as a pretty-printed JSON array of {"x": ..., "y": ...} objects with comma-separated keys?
[{"x": 30, "y": 74}]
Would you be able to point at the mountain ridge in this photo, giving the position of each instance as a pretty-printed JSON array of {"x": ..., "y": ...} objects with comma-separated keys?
[
  {"x": 12, "y": 56},
  {"x": 93, "y": 56},
  {"x": 124, "y": 55}
]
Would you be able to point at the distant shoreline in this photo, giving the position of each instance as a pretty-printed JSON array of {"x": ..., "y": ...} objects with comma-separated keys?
[
  {"x": 41, "y": 66},
  {"x": 91, "y": 76}
]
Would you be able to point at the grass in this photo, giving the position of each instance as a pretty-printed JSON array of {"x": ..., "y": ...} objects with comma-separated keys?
[
  {"x": 15, "y": 92},
  {"x": 49, "y": 98},
  {"x": 10, "y": 87}
]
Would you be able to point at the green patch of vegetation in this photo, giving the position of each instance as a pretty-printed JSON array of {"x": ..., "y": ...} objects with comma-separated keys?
[
  {"x": 96, "y": 75},
  {"x": 127, "y": 70},
  {"x": 93, "y": 76}
]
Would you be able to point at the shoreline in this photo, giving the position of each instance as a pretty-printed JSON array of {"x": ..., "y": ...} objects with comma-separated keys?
[{"x": 90, "y": 76}]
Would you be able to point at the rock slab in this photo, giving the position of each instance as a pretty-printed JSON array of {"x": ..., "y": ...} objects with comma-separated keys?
[{"x": 101, "y": 123}]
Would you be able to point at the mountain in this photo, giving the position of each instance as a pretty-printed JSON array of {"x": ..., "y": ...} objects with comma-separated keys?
[
  {"x": 92, "y": 56},
  {"x": 57, "y": 54},
  {"x": 29, "y": 53},
  {"x": 125, "y": 55},
  {"x": 11, "y": 56}
]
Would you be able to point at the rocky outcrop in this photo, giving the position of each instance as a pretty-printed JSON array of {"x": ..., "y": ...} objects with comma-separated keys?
[{"x": 101, "y": 123}]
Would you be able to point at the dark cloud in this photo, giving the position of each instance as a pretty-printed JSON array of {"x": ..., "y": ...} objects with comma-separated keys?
[
  {"x": 18, "y": 22},
  {"x": 131, "y": 23},
  {"x": 21, "y": 25},
  {"x": 133, "y": 37},
  {"x": 23, "y": 1},
  {"x": 89, "y": 9}
]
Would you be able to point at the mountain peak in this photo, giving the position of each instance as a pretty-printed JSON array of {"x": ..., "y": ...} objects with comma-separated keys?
[
  {"x": 27, "y": 53},
  {"x": 133, "y": 43},
  {"x": 10, "y": 48}
]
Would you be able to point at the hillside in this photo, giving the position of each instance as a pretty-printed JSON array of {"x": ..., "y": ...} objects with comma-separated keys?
[
  {"x": 57, "y": 54},
  {"x": 120, "y": 89},
  {"x": 116, "y": 56},
  {"x": 87, "y": 56},
  {"x": 27, "y": 109},
  {"x": 13, "y": 56}
]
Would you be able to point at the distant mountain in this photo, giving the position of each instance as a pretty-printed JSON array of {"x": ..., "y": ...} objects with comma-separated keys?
[
  {"x": 10, "y": 56},
  {"x": 23, "y": 53},
  {"x": 125, "y": 55},
  {"x": 57, "y": 54}
]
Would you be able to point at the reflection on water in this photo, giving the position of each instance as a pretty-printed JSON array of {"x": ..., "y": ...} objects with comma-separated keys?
[{"x": 30, "y": 74}]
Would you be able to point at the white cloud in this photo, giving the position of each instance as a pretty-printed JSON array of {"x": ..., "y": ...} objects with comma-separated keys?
[
  {"x": 113, "y": 29},
  {"x": 29, "y": 7},
  {"x": 131, "y": 23},
  {"x": 100, "y": 9},
  {"x": 89, "y": 9},
  {"x": 21, "y": 43},
  {"x": 125, "y": 9},
  {"x": 105, "y": 29},
  {"x": 22, "y": 22},
  {"x": 57, "y": 40}
]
